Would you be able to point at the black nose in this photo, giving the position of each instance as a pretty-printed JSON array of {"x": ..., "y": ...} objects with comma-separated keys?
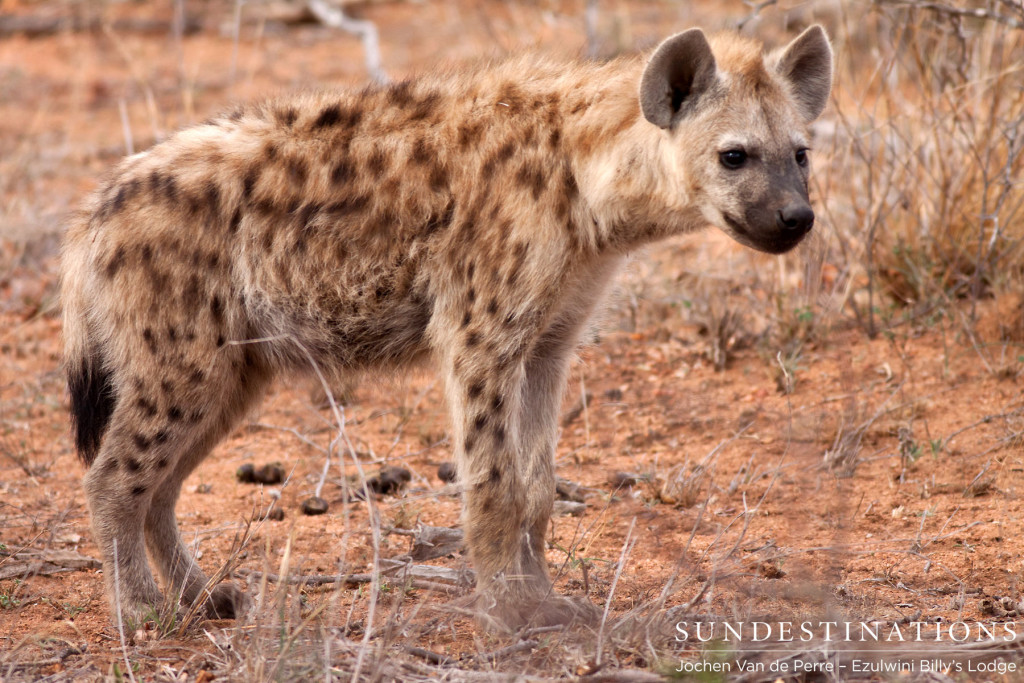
[{"x": 795, "y": 219}]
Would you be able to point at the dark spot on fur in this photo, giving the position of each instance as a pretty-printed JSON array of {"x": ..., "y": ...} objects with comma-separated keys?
[
  {"x": 348, "y": 205},
  {"x": 220, "y": 340},
  {"x": 213, "y": 197},
  {"x": 330, "y": 116},
  {"x": 270, "y": 151},
  {"x": 146, "y": 253},
  {"x": 217, "y": 310},
  {"x": 496, "y": 402},
  {"x": 505, "y": 152},
  {"x": 193, "y": 204},
  {"x": 480, "y": 422},
  {"x": 265, "y": 206},
  {"x": 441, "y": 221},
  {"x": 196, "y": 376},
  {"x": 174, "y": 414},
  {"x": 172, "y": 334},
  {"x": 287, "y": 116},
  {"x": 472, "y": 339},
  {"x": 422, "y": 152},
  {"x": 476, "y": 389},
  {"x": 167, "y": 387},
  {"x": 252, "y": 174},
  {"x": 438, "y": 177},
  {"x": 116, "y": 261},
  {"x": 115, "y": 203},
  {"x": 471, "y": 294},
  {"x": 162, "y": 463},
  {"x": 469, "y": 133},
  {"x": 495, "y": 477},
  {"x": 161, "y": 436},
  {"x": 377, "y": 163},
  {"x": 425, "y": 107},
  {"x": 191, "y": 295},
  {"x": 147, "y": 406},
  {"x": 141, "y": 442},
  {"x": 342, "y": 172},
  {"x": 499, "y": 434},
  {"x": 467, "y": 446},
  {"x": 555, "y": 138},
  {"x": 297, "y": 171},
  {"x": 569, "y": 186},
  {"x": 492, "y": 307},
  {"x": 132, "y": 464},
  {"x": 511, "y": 95},
  {"x": 164, "y": 186},
  {"x": 138, "y": 491},
  {"x": 150, "y": 339},
  {"x": 400, "y": 94},
  {"x": 352, "y": 118},
  {"x": 532, "y": 178},
  {"x": 467, "y": 318}
]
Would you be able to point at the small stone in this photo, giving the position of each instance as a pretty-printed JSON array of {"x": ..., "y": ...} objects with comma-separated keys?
[
  {"x": 446, "y": 472},
  {"x": 314, "y": 505},
  {"x": 274, "y": 514},
  {"x": 391, "y": 480},
  {"x": 568, "y": 490},
  {"x": 621, "y": 480},
  {"x": 613, "y": 395},
  {"x": 270, "y": 474},
  {"x": 246, "y": 474}
]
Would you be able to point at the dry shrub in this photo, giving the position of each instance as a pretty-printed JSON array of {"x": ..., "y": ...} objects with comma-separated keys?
[{"x": 922, "y": 182}]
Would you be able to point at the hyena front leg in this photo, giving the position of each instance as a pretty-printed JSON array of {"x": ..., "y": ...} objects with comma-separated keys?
[{"x": 504, "y": 430}]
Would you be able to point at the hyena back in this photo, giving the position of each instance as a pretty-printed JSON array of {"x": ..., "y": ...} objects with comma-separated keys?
[{"x": 473, "y": 219}]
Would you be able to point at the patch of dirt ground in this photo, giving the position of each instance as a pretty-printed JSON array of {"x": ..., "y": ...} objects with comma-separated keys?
[{"x": 839, "y": 478}]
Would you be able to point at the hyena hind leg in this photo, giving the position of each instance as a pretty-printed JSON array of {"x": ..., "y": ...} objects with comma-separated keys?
[
  {"x": 183, "y": 576},
  {"x": 119, "y": 501},
  {"x": 181, "y": 573}
]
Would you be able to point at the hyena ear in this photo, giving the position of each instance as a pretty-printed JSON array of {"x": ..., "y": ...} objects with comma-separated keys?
[
  {"x": 678, "y": 72},
  {"x": 807, "y": 64}
]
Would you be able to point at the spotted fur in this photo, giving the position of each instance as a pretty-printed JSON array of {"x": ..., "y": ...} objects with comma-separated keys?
[{"x": 472, "y": 219}]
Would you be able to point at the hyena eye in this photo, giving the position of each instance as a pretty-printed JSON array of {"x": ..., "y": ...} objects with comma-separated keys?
[
  {"x": 801, "y": 156},
  {"x": 732, "y": 158}
]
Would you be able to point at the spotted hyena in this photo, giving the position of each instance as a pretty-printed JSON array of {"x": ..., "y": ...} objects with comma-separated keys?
[{"x": 472, "y": 219}]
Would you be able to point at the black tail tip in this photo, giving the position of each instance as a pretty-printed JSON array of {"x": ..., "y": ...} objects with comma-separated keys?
[{"x": 92, "y": 403}]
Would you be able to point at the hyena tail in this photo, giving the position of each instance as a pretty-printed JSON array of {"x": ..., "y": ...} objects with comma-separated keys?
[{"x": 91, "y": 386}]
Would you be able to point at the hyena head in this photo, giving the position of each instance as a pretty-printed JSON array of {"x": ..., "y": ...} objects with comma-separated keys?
[{"x": 736, "y": 127}]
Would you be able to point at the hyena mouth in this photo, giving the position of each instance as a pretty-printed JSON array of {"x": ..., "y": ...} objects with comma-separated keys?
[{"x": 774, "y": 243}]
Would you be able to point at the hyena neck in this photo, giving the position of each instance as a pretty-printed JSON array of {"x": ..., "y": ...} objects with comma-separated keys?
[{"x": 623, "y": 167}]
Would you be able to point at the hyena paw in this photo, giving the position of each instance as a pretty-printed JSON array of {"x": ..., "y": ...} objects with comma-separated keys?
[
  {"x": 227, "y": 601},
  {"x": 508, "y": 615}
]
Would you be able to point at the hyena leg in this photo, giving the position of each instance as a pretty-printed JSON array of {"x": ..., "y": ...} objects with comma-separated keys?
[
  {"x": 504, "y": 429},
  {"x": 119, "y": 490},
  {"x": 182, "y": 574}
]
